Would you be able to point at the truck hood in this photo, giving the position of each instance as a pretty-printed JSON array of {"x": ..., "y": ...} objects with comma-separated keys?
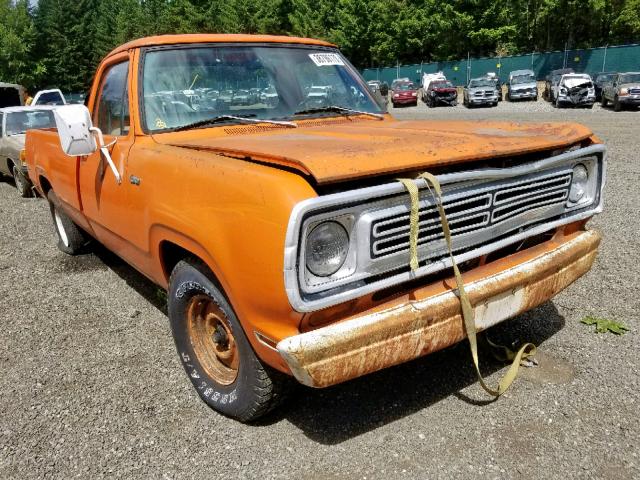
[
  {"x": 334, "y": 152},
  {"x": 523, "y": 86}
]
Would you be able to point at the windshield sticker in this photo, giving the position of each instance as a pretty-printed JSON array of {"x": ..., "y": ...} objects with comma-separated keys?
[{"x": 326, "y": 59}]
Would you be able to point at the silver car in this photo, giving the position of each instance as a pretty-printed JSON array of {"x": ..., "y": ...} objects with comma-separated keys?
[
  {"x": 522, "y": 85},
  {"x": 480, "y": 91},
  {"x": 14, "y": 123}
]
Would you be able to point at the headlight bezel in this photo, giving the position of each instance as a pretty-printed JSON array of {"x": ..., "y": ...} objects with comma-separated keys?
[{"x": 348, "y": 266}]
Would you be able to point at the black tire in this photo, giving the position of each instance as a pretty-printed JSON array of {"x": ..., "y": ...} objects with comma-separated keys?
[
  {"x": 256, "y": 388},
  {"x": 603, "y": 101},
  {"x": 71, "y": 239},
  {"x": 617, "y": 106},
  {"x": 23, "y": 184}
]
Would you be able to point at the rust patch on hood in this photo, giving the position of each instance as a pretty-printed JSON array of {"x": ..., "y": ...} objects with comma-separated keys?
[{"x": 339, "y": 152}]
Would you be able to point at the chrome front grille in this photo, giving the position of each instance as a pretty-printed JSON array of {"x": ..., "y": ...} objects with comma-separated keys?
[
  {"x": 519, "y": 200},
  {"x": 634, "y": 91},
  {"x": 488, "y": 209}
]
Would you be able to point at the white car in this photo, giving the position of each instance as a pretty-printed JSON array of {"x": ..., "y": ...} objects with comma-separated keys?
[{"x": 575, "y": 89}]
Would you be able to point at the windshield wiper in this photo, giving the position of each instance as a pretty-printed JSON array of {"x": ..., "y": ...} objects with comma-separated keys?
[
  {"x": 339, "y": 109},
  {"x": 237, "y": 118}
]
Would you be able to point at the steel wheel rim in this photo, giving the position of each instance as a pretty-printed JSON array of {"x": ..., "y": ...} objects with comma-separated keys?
[
  {"x": 61, "y": 231},
  {"x": 212, "y": 339}
]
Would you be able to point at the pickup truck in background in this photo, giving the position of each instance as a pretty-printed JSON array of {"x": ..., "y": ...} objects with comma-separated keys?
[
  {"x": 279, "y": 228},
  {"x": 622, "y": 90}
]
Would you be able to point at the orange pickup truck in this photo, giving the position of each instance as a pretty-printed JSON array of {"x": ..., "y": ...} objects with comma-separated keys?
[{"x": 256, "y": 179}]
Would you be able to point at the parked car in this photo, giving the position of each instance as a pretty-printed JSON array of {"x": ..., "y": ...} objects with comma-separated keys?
[
  {"x": 269, "y": 96},
  {"x": 12, "y": 95},
  {"x": 49, "y": 97},
  {"x": 480, "y": 91},
  {"x": 319, "y": 96},
  {"x": 551, "y": 81},
  {"x": 440, "y": 92},
  {"x": 522, "y": 85},
  {"x": 404, "y": 93},
  {"x": 374, "y": 86},
  {"x": 600, "y": 80},
  {"x": 398, "y": 81},
  {"x": 575, "y": 89},
  {"x": 427, "y": 78},
  {"x": 622, "y": 91},
  {"x": 225, "y": 99},
  {"x": 283, "y": 236},
  {"x": 14, "y": 123}
]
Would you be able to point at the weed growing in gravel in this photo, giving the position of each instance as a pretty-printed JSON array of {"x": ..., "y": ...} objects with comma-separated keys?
[
  {"x": 604, "y": 325},
  {"x": 161, "y": 296}
]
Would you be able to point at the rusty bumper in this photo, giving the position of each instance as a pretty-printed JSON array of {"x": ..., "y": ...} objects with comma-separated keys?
[{"x": 374, "y": 341}]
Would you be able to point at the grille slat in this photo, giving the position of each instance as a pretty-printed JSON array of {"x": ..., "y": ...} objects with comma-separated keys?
[{"x": 473, "y": 213}]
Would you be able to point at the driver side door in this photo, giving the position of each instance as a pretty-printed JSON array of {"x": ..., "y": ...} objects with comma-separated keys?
[{"x": 104, "y": 200}]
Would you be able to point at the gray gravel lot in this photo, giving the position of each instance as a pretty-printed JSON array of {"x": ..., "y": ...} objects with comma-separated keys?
[{"x": 91, "y": 385}]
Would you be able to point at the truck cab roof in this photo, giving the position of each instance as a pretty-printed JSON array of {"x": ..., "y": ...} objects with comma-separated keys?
[{"x": 159, "y": 40}]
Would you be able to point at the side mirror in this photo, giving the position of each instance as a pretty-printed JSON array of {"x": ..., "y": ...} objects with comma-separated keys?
[
  {"x": 78, "y": 135},
  {"x": 74, "y": 129}
]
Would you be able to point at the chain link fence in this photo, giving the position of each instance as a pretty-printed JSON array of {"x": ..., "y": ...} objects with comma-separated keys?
[{"x": 619, "y": 58}]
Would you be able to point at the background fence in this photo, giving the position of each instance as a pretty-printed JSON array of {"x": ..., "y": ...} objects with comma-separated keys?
[{"x": 620, "y": 58}]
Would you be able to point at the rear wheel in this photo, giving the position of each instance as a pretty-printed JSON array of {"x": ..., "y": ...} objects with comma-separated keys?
[
  {"x": 214, "y": 350},
  {"x": 23, "y": 185},
  {"x": 71, "y": 239}
]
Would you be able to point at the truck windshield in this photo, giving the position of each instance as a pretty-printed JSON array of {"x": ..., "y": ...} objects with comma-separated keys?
[
  {"x": 482, "y": 82},
  {"x": 629, "y": 78},
  {"x": 527, "y": 78},
  {"x": 20, "y": 122},
  {"x": 183, "y": 86}
]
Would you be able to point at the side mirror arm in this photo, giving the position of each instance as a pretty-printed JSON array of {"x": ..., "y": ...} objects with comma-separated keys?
[{"x": 104, "y": 150}]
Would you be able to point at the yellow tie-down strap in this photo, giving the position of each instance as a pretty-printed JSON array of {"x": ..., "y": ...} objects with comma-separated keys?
[{"x": 527, "y": 350}]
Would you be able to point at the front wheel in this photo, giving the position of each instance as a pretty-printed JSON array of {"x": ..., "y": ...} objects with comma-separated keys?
[
  {"x": 617, "y": 106},
  {"x": 603, "y": 101},
  {"x": 23, "y": 185},
  {"x": 71, "y": 239},
  {"x": 214, "y": 350}
]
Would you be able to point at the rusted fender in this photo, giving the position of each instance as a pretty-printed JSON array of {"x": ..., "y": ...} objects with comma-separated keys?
[{"x": 368, "y": 343}]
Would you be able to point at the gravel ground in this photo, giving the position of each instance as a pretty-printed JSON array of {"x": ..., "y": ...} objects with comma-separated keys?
[{"x": 91, "y": 386}]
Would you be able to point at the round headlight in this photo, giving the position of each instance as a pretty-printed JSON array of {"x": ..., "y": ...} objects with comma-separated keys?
[
  {"x": 578, "y": 183},
  {"x": 327, "y": 247}
]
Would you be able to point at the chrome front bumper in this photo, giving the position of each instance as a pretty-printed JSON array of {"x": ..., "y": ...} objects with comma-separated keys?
[{"x": 373, "y": 341}]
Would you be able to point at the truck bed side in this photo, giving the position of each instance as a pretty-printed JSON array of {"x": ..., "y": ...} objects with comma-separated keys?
[{"x": 50, "y": 168}]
